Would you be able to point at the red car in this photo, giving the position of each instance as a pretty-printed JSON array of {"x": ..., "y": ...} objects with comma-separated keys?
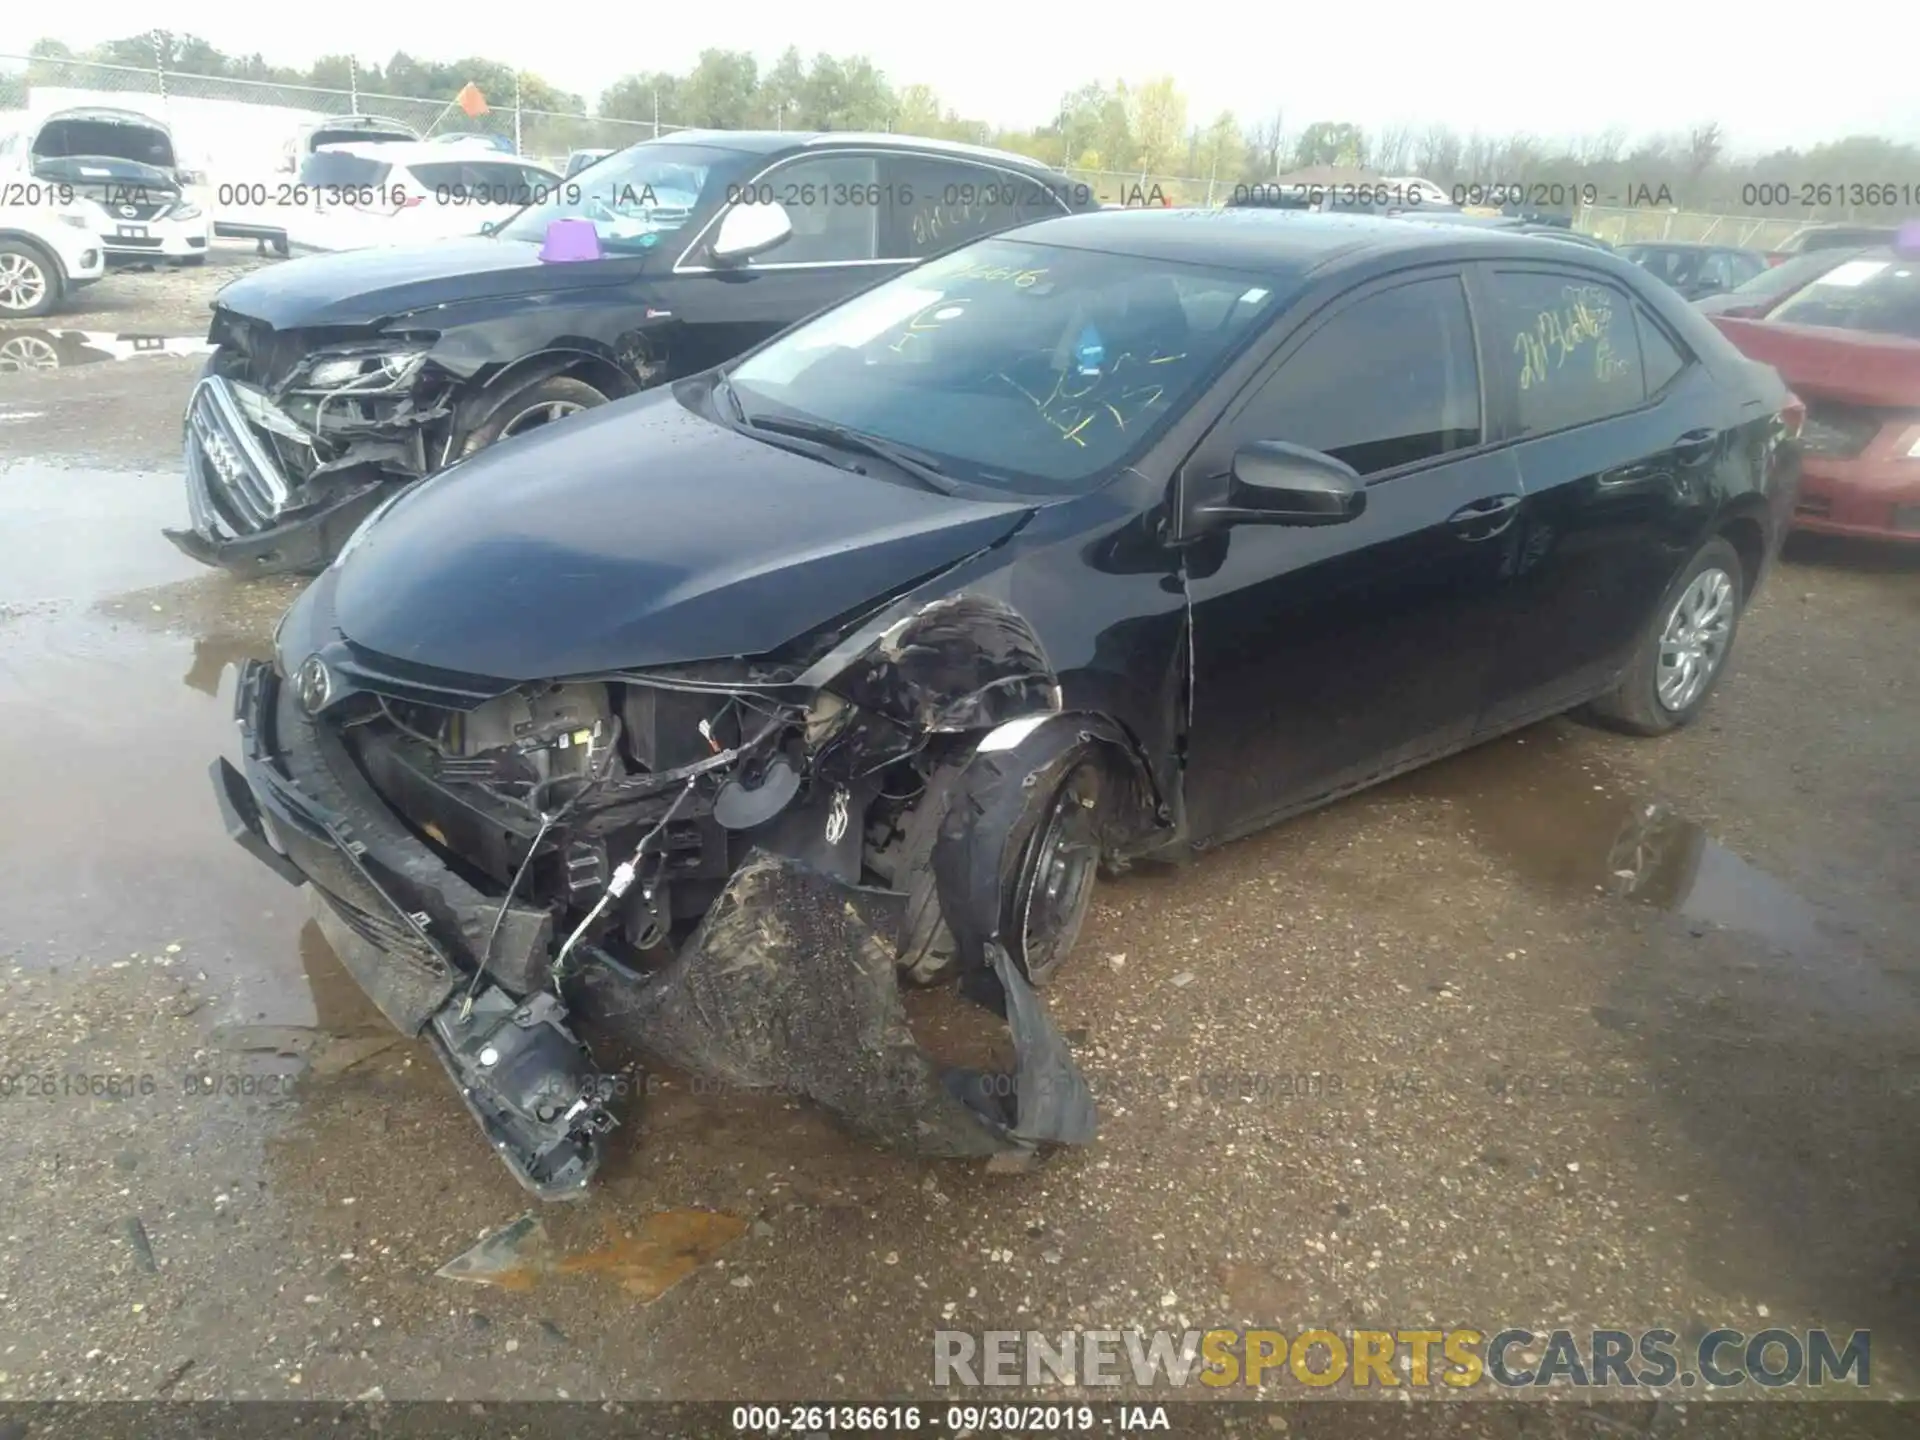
[{"x": 1849, "y": 346}]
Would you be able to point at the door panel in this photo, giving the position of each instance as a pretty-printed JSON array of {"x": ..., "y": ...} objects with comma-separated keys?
[
  {"x": 1615, "y": 484},
  {"x": 1325, "y": 656}
]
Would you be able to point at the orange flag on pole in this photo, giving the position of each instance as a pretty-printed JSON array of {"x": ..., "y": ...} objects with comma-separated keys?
[{"x": 471, "y": 100}]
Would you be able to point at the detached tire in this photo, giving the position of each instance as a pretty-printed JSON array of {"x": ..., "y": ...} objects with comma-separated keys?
[
  {"x": 31, "y": 282},
  {"x": 539, "y": 404},
  {"x": 1684, "y": 650}
]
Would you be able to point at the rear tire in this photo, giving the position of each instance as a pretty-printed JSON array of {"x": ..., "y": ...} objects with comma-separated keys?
[
  {"x": 1684, "y": 650},
  {"x": 529, "y": 409},
  {"x": 31, "y": 282}
]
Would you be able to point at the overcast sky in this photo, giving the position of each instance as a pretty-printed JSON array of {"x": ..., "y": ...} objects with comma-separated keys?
[{"x": 1769, "y": 76}]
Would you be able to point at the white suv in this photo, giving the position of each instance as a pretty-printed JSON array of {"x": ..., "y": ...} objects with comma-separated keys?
[
  {"x": 46, "y": 252},
  {"x": 121, "y": 169}
]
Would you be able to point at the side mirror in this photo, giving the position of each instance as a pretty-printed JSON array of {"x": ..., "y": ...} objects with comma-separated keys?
[
  {"x": 751, "y": 229},
  {"x": 1274, "y": 483}
]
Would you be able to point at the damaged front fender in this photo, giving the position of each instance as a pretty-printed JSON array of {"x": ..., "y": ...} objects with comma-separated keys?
[
  {"x": 965, "y": 662},
  {"x": 789, "y": 985}
]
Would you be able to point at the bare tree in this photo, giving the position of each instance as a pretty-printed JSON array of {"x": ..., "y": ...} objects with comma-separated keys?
[
  {"x": 1264, "y": 139},
  {"x": 1437, "y": 155},
  {"x": 1391, "y": 149}
]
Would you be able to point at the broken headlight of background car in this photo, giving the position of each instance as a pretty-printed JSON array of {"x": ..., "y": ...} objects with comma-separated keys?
[{"x": 376, "y": 371}]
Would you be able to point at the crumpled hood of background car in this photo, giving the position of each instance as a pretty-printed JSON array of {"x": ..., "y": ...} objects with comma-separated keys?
[
  {"x": 360, "y": 287},
  {"x": 639, "y": 534}
]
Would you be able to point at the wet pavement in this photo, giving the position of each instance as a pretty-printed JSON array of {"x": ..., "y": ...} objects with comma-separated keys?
[{"x": 1569, "y": 1030}]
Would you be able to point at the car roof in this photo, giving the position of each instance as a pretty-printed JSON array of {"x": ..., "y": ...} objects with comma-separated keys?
[
  {"x": 770, "y": 142},
  {"x": 1292, "y": 242},
  {"x": 410, "y": 152}
]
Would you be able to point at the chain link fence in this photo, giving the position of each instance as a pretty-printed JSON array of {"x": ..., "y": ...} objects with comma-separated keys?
[
  {"x": 1622, "y": 225},
  {"x": 218, "y": 119},
  {"x": 232, "y": 126}
]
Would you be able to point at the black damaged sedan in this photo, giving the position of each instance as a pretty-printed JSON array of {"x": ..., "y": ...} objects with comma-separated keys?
[{"x": 695, "y": 723}]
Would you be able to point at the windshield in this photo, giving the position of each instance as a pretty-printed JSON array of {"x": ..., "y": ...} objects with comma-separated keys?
[
  {"x": 1881, "y": 297},
  {"x": 634, "y": 198},
  {"x": 1031, "y": 366}
]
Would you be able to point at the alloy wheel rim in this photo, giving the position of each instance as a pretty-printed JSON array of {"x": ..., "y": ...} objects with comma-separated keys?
[
  {"x": 1694, "y": 642},
  {"x": 22, "y": 284},
  {"x": 545, "y": 413}
]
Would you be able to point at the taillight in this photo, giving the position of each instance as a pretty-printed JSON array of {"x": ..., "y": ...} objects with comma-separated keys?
[
  {"x": 1773, "y": 260},
  {"x": 406, "y": 202},
  {"x": 1793, "y": 416}
]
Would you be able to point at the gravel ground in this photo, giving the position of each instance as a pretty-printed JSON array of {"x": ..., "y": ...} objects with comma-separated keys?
[{"x": 1409, "y": 1060}]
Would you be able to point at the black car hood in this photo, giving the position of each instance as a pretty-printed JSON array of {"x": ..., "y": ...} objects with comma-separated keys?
[
  {"x": 362, "y": 287},
  {"x": 640, "y": 534}
]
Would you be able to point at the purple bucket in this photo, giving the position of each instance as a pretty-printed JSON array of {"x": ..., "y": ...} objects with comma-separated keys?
[{"x": 571, "y": 240}]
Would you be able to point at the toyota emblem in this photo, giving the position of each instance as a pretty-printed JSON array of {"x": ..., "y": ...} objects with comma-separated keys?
[{"x": 129, "y": 211}]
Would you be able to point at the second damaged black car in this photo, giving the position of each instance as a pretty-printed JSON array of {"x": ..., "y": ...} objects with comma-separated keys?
[
  {"x": 338, "y": 377},
  {"x": 700, "y": 718}
]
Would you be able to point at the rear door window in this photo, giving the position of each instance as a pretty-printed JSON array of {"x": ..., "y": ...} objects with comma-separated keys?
[
  {"x": 1661, "y": 356},
  {"x": 1565, "y": 346},
  {"x": 1389, "y": 380},
  {"x": 939, "y": 202}
]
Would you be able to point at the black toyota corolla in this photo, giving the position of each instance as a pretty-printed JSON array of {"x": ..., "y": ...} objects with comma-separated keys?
[{"x": 704, "y": 716}]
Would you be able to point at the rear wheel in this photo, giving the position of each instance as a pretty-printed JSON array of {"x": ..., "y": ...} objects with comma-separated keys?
[
  {"x": 30, "y": 282},
  {"x": 1684, "y": 650},
  {"x": 539, "y": 404}
]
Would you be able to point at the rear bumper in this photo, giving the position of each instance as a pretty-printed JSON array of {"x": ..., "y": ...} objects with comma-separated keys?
[
  {"x": 1867, "y": 498},
  {"x": 244, "y": 516}
]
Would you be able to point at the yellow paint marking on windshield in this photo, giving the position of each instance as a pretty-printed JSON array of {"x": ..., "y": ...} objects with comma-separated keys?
[{"x": 1020, "y": 278}]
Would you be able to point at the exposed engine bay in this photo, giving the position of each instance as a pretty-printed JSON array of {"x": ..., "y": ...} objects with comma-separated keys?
[
  {"x": 365, "y": 402},
  {"x": 728, "y": 863}
]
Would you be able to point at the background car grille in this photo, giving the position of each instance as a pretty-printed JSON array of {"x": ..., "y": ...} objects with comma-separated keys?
[
  {"x": 144, "y": 207},
  {"x": 1841, "y": 430}
]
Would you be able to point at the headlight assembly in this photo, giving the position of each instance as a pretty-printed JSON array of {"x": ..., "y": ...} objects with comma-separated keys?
[
  {"x": 373, "y": 372},
  {"x": 188, "y": 211}
]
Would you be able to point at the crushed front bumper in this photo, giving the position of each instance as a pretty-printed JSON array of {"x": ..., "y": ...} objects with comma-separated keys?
[
  {"x": 789, "y": 982},
  {"x": 244, "y": 511}
]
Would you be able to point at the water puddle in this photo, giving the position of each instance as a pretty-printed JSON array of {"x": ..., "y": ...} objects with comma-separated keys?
[
  {"x": 24, "y": 350},
  {"x": 1564, "y": 822}
]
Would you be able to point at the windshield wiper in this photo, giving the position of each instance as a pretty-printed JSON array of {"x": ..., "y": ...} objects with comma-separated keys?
[
  {"x": 723, "y": 387},
  {"x": 921, "y": 467}
]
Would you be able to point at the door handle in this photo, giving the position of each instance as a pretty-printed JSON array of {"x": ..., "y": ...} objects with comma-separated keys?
[
  {"x": 1496, "y": 512},
  {"x": 1695, "y": 444}
]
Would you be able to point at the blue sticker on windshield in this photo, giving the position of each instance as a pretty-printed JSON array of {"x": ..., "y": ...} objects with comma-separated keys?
[{"x": 1089, "y": 353}]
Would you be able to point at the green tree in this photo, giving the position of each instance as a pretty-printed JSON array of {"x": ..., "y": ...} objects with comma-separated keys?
[
  {"x": 1329, "y": 142},
  {"x": 721, "y": 93}
]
